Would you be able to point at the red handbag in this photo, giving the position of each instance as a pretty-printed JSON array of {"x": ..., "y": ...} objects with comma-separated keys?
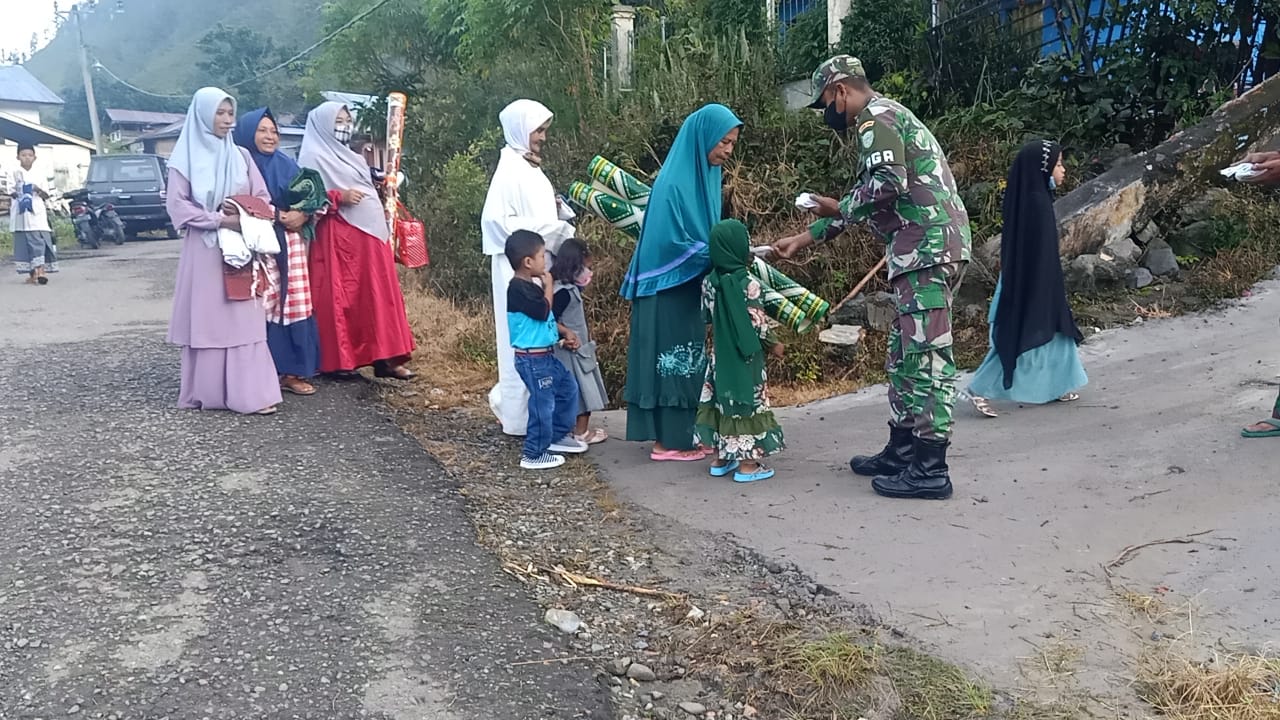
[{"x": 411, "y": 240}]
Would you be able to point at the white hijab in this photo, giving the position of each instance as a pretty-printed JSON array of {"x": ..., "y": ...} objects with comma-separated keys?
[
  {"x": 519, "y": 120},
  {"x": 520, "y": 195},
  {"x": 214, "y": 166},
  {"x": 342, "y": 169}
]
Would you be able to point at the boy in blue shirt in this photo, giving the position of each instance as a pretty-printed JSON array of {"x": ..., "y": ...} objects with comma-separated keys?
[{"x": 553, "y": 393}]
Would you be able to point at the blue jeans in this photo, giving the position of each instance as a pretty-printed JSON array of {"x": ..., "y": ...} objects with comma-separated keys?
[{"x": 553, "y": 401}]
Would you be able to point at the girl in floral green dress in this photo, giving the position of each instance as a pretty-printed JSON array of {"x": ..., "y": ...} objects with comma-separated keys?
[{"x": 733, "y": 412}]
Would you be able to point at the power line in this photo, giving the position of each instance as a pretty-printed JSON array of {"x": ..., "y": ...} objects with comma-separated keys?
[
  {"x": 341, "y": 29},
  {"x": 315, "y": 45},
  {"x": 135, "y": 88}
]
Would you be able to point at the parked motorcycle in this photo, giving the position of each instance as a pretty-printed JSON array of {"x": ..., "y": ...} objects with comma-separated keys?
[{"x": 95, "y": 224}]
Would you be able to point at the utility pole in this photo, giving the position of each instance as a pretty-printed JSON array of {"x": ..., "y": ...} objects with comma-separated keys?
[
  {"x": 88, "y": 79},
  {"x": 76, "y": 14}
]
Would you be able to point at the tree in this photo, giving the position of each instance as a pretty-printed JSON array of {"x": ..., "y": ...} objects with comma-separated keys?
[
  {"x": 74, "y": 116},
  {"x": 237, "y": 56}
]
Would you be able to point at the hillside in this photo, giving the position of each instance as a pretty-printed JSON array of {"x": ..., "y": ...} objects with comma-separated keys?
[{"x": 153, "y": 45}]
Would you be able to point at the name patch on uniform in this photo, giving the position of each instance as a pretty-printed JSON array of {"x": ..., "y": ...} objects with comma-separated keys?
[{"x": 882, "y": 157}]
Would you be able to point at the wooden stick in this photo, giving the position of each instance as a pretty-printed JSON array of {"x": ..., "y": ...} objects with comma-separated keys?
[
  {"x": 858, "y": 288},
  {"x": 1127, "y": 554}
]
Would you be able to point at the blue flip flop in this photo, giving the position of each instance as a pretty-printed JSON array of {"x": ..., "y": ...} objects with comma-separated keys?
[
  {"x": 763, "y": 473},
  {"x": 724, "y": 469}
]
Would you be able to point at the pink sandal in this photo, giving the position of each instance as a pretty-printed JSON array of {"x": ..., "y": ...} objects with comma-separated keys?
[{"x": 677, "y": 456}]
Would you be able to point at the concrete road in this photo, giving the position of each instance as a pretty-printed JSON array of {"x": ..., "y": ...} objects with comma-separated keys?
[
  {"x": 1045, "y": 496},
  {"x": 164, "y": 563}
]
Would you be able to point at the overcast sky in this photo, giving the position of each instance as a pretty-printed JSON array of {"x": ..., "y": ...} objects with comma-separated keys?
[{"x": 20, "y": 18}]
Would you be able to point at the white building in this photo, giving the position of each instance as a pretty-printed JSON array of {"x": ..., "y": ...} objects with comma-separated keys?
[{"x": 63, "y": 157}]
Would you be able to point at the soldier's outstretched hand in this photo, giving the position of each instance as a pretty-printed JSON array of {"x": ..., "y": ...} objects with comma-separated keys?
[
  {"x": 787, "y": 247},
  {"x": 826, "y": 207}
]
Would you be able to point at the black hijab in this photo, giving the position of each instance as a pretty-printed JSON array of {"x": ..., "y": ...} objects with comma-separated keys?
[{"x": 1033, "y": 299}]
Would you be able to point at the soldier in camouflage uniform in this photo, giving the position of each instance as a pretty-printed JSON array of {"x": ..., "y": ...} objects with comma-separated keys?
[{"x": 906, "y": 193}]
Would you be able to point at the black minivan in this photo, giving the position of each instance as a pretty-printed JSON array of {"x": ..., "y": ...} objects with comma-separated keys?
[{"x": 136, "y": 185}]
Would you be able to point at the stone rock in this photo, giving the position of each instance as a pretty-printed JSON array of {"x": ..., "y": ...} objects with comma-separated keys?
[
  {"x": 641, "y": 673},
  {"x": 1203, "y": 206},
  {"x": 1148, "y": 233},
  {"x": 693, "y": 708},
  {"x": 1194, "y": 239},
  {"x": 563, "y": 620},
  {"x": 1140, "y": 277},
  {"x": 853, "y": 312},
  {"x": 619, "y": 666},
  {"x": 1124, "y": 249},
  {"x": 1160, "y": 259},
  {"x": 882, "y": 310},
  {"x": 1089, "y": 274}
]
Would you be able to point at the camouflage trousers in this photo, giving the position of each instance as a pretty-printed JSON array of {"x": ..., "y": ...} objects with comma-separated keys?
[{"x": 923, "y": 379}]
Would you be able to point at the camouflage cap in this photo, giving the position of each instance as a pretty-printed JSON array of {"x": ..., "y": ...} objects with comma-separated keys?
[{"x": 840, "y": 67}]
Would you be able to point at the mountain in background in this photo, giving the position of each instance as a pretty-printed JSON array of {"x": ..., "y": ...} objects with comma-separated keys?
[{"x": 173, "y": 47}]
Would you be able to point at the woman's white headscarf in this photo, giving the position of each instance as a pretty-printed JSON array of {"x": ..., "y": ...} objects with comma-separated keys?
[
  {"x": 342, "y": 168},
  {"x": 519, "y": 120},
  {"x": 214, "y": 166}
]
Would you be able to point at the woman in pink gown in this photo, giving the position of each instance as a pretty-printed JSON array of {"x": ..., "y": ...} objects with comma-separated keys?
[{"x": 226, "y": 364}]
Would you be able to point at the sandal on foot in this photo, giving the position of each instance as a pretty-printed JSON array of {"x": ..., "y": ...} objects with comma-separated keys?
[
  {"x": 723, "y": 470},
  {"x": 1273, "y": 432},
  {"x": 1069, "y": 397},
  {"x": 398, "y": 372},
  {"x": 297, "y": 385},
  {"x": 761, "y": 473},
  {"x": 42, "y": 280},
  {"x": 593, "y": 437},
  {"x": 677, "y": 456},
  {"x": 983, "y": 407},
  {"x": 267, "y": 411}
]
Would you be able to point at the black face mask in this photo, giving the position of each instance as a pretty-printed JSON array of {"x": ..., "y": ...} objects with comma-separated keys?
[{"x": 835, "y": 119}]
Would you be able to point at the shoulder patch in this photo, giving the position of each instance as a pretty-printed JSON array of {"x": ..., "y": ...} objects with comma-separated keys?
[
  {"x": 866, "y": 126},
  {"x": 868, "y": 139}
]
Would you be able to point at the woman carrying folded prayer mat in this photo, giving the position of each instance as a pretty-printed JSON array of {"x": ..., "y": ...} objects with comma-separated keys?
[{"x": 226, "y": 363}]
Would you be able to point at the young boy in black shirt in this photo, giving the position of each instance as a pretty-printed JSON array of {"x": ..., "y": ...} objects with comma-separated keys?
[{"x": 553, "y": 393}]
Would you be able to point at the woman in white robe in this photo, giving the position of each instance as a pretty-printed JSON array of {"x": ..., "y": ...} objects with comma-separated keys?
[{"x": 520, "y": 198}]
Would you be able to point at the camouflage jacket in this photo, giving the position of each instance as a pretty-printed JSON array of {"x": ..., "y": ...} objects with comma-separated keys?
[{"x": 904, "y": 191}]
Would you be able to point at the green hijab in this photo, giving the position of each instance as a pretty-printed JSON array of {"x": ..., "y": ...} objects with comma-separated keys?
[{"x": 739, "y": 353}]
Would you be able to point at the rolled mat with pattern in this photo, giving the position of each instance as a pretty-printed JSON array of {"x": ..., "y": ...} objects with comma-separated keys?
[
  {"x": 786, "y": 301},
  {"x": 618, "y": 182},
  {"x": 622, "y": 215}
]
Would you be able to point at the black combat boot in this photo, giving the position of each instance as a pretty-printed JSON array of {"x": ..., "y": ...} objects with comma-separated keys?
[
  {"x": 926, "y": 478},
  {"x": 892, "y": 460}
]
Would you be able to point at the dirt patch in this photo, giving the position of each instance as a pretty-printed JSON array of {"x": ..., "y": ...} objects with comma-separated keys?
[{"x": 678, "y": 622}]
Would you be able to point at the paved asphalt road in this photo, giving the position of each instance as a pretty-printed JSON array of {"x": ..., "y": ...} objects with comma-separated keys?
[
  {"x": 157, "y": 563},
  {"x": 1045, "y": 496}
]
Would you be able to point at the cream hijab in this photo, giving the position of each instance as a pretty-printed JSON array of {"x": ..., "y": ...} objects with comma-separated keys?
[{"x": 342, "y": 168}]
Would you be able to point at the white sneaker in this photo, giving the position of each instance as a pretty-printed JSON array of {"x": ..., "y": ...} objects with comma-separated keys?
[
  {"x": 546, "y": 462},
  {"x": 569, "y": 444}
]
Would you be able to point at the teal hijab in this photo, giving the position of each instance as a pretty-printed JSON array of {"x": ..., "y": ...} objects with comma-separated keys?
[{"x": 684, "y": 206}]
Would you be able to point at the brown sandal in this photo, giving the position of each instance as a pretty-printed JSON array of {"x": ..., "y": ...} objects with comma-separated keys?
[{"x": 297, "y": 385}]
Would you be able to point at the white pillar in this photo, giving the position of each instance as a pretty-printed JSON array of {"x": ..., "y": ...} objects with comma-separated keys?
[
  {"x": 837, "y": 11},
  {"x": 624, "y": 25}
]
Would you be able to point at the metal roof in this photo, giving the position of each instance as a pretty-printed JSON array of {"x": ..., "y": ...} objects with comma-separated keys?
[
  {"x": 142, "y": 117},
  {"x": 18, "y": 85},
  {"x": 25, "y": 132}
]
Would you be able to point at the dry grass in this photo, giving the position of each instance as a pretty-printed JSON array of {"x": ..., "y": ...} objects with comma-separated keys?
[
  {"x": 1221, "y": 687},
  {"x": 455, "y": 347}
]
